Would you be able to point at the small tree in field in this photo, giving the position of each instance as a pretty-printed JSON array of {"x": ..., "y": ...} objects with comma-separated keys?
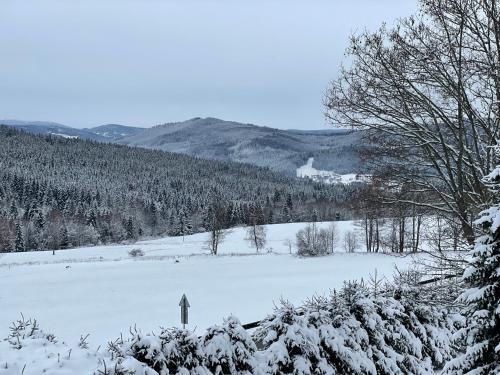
[
  {"x": 331, "y": 235},
  {"x": 216, "y": 221},
  {"x": 350, "y": 242},
  {"x": 288, "y": 243},
  {"x": 256, "y": 232},
  {"x": 256, "y": 235}
]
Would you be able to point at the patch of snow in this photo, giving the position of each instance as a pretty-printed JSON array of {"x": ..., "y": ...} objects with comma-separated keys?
[
  {"x": 329, "y": 177},
  {"x": 65, "y": 135}
]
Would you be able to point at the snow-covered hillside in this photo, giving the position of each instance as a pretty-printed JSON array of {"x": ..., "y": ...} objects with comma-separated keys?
[
  {"x": 103, "y": 291},
  {"x": 328, "y": 177}
]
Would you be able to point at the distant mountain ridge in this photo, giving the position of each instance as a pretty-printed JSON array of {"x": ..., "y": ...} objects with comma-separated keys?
[
  {"x": 102, "y": 133},
  {"x": 115, "y": 131},
  {"x": 334, "y": 150},
  {"x": 280, "y": 150}
]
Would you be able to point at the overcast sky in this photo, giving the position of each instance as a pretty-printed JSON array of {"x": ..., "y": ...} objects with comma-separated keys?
[{"x": 145, "y": 62}]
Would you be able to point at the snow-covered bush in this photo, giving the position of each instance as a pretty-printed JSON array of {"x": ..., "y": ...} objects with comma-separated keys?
[
  {"x": 229, "y": 349},
  {"x": 23, "y": 330},
  {"x": 146, "y": 349},
  {"x": 134, "y": 253},
  {"x": 174, "y": 351},
  {"x": 292, "y": 346},
  {"x": 354, "y": 333},
  {"x": 311, "y": 241},
  {"x": 343, "y": 341},
  {"x": 29, "y": 350},
  {"x": 183, "y": 352}
]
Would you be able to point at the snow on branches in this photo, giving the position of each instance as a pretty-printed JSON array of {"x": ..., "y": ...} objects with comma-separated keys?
[{"x": 481, "y": 335}]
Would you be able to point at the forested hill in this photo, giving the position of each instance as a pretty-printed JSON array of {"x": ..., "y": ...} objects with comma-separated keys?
[
  {"x": 57, "y": 192},
  {"x": 337, "y": 150},
  {"x": 281, "y": 150}
]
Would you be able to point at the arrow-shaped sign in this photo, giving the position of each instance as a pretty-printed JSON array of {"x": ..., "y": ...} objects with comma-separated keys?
[{"x": 184, "y": 304}]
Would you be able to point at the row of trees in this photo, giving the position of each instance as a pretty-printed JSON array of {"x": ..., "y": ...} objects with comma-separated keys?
[{"x": 379, "y": 234}]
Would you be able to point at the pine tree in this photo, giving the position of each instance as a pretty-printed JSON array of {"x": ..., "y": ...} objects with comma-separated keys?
[
  {"x": 39, "y": 225},
  {"x": 19, "y": 243},
  {"x": 92, "y": 218},
  {"x": 285, "y": 214},
  {"x": 482, "y": 332},
  {"x": 182, "y": 226},
  {"x": 64, "y": 240},
  {"x": 129, "y": 228},
  {"x": 13, "y": 213},
  {"x": 314, "y": 216},
  {"x": 289, "y": 202}
]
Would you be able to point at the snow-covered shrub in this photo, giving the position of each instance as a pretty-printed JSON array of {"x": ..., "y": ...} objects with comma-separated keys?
[
  {"x": 386, "y": 358},
  {"x": 343, "y": 342},
  {"x": 354, "y": 332},
  {"x": 134, "y": 253},
  {"x": 29, "y": 350},
  {"x": 27, "y": 329},
  {"x": 292, "y": 346},
  {"x": 311, "y": 241},
  {"x": 174, "y": 351},
  {"x": 147, "y": 349},
  {"x": 183, "y": 352},
  {"x": 406, "y": 336},
  {"x": 432, "y": 324},
  {"x": 229, "y": 349}
]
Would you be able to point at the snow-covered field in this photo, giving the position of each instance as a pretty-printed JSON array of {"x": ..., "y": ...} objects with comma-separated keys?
[
  {"x": 328, "y": 177},
  {"x": 103, "y": 291}
]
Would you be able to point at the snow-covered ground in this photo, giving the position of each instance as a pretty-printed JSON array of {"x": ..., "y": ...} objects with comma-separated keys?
[
  {"x": 328, "y": 177},
  {"x": 103, "y": 291},
  {"x": 65, "y": 135}
]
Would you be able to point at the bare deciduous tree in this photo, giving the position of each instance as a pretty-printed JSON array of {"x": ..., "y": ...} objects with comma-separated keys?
[
  {"x": 256, "y": 235},
  {"x": 350, "y": 242},
  {"x": 331, "y": 235},
  {"x": 429, "y": 90},
  {"x": 289, "y": 244},
  {"x": 216, "y": 221}
]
